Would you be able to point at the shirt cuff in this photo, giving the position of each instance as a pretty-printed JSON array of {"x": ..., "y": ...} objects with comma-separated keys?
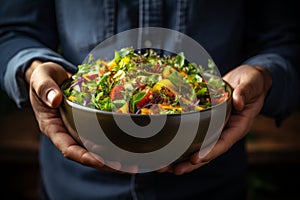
[{"x": 14, "y": 81}]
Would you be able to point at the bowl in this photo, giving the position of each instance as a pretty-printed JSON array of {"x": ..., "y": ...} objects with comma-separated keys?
[{"x": 180, "y": 134}]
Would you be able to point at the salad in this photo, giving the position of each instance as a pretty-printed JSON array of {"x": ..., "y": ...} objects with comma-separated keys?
[{"x": 144, "y": 83}]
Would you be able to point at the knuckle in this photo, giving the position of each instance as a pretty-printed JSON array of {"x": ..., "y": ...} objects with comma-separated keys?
[
  {"x": 66, "y": 153},
  {"x": 42, "y": 87},
  {"x": 73, "y": 153}
]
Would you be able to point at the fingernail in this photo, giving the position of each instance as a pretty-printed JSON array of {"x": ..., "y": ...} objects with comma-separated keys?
[
  {"x": 51, "y": 95},
  {"x": 203, "y": 153}
]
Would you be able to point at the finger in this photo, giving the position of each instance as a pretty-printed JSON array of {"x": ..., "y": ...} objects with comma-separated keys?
[
  {"x": 130, "y": 169},
  {"x": 68, "y": 146},
  {"x": 225, "y": 142},
  {"x": 247, "y": 83},
  {"x": 71, "y": 150},
  {"x": 187, "y": 167},
  {"x": 232, "y": 134},
  {"x": 92, "y": 146},
  {"x": 196, "y": 157},
  {"x": 164, "y": 169},
  {"x": 114, "y": 165}
]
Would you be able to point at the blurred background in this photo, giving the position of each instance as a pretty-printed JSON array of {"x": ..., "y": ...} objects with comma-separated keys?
[{"x": 273, "y": 155}]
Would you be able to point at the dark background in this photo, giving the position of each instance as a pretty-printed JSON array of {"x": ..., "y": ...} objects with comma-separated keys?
[{"x": 273, "y": 155}]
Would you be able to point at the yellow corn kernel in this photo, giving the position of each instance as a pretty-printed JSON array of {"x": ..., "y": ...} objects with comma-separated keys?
[
  {"x": 145, "y": 111},
  {"x": 72, "y": 98},
  {"x": 199, "y": 108}
]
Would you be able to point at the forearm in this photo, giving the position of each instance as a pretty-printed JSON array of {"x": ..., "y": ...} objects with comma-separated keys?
[
  {"x": 273, "y": 42},
  {"x": 27, "y": 33}
]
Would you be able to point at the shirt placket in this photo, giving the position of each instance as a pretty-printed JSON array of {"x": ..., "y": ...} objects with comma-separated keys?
[
  {"x": 151, "y": 13},
  {"x": 110, "y": 15},
  {"x": 182, "y": 15}
]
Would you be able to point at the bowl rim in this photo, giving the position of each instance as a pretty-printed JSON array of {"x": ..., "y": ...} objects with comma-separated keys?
[{"x": 65, "y": 84}]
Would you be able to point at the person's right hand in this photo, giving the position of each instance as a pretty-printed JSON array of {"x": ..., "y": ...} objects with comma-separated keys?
[{"x": 45, "y": 97}]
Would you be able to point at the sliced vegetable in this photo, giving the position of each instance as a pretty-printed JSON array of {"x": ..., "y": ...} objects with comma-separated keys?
[
  {"x": 116, "y": 92},
  {"x": 145, "y": 99}
]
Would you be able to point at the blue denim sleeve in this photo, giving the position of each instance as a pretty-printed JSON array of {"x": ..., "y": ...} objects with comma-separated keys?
[
  {"x": 14, "y": 82},
  {"x": 284, "y": 94},
  {"x": 27, "y": 32}
]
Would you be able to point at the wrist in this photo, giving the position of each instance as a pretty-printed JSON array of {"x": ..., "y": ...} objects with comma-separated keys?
[{"x": 29, "y": 70}]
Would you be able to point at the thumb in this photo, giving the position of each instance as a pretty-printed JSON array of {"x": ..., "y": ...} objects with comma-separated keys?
[
  {"x": 45, "y": 81},
  {"x": 240, "y": 96},
  {"x": 48, "y": 91}
]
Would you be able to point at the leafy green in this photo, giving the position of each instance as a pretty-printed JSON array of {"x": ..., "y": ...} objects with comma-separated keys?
[
  {"x": 95, "y": 83},
  {"x": 137, "y": 98}
]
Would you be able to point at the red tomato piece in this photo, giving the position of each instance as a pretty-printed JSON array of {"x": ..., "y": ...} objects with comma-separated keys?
[
  {"x": 116, "y": 92},
  {"x": 144, "y": 100}
]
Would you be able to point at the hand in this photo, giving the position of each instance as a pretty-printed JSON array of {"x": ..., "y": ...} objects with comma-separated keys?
[
  {"x": 251, "y": 85},
  {"x": 45, "y": 97}
]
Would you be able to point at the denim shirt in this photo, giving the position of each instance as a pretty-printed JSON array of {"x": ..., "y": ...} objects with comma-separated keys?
[{"x": 231, "y": 32}]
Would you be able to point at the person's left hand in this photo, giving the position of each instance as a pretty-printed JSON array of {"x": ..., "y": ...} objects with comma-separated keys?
[{"x": 251, "y": 85}]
